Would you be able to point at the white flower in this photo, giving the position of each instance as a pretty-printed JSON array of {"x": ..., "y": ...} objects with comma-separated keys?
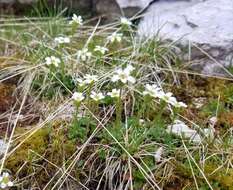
[
  {"x": 80, "y": 82},
  {"x": 83, "y": 54},
  {"x": 152, "y": 90},
  {"x": 97, "y": 96},
  {"x": 100, "y": 49},
  {"x": 90, "y": 78},
  {"x": 179, "y": 128},
  {"x": 141, "y": 121},
  {"x": 129, "y": 68},
  {"x": 77, "y": 96},
  {"x": 124, "y": 75},
  {"x": 158, "y": 154},
  {"x": 115, "y": 37},
  {"x": 52, "y": 61},
  {"x": 177, "y": 104},
  {"x": 114, "y": 94},
  {"x": 125, "y": 21},
  {"x": 5, "y": 181},
  {"x": 62, "y": 40},
  {"x": 76, "y": 20},
  {"x": 167, "y": 97}
]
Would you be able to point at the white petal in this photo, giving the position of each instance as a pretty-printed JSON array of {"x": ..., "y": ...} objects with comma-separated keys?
[
  {"x": 10, "y": 184},
  {"x": 124, "y": 80},
  {"x": 3, "y": 185},
  {"x": 131, "y": 79},
  {"x": 115, "y": 78}
]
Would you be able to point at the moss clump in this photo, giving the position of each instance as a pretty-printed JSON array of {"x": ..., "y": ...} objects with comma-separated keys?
[
  {"x": 41, "y": 155},
  {"x": 37, "y": 142}
]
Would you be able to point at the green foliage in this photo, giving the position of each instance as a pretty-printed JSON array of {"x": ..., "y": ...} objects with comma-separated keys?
[
  {"x": 213, "y": 106},
  {"x": 80, "y": 128},
  {"x": 56, "y": 83}
]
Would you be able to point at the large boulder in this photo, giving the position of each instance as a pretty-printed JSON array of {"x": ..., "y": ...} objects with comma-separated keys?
[
  {"x": 111, "y": 10},
  {"x": 203, "y": 28}
]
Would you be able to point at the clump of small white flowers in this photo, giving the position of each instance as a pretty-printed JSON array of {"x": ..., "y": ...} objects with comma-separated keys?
[
  {"x": 62, "y": 40},
  {"x": 158, "y": 154},
  {"x": 115, "y": 37},
  {"x": 52, "y": 61},
  {"x": 101, "y": 49},
  {"x": 125, "y": 22},
  {"x": 115, "y": 93},
  {"x": 152, "y": 90},
  {"x": 83, "y": 54},
  {"x": 76, "y": 20},
  {"x": 97, "y": 96},
  {"x": 157, "y": 92},
  {"x": 123, "y": 75},
  {"x": 78, "y": 97},
  {"x": 5, "y": 181}
]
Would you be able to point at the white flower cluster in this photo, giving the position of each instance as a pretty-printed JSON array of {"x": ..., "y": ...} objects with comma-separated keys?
[
  {"x": 76, "y": 20},
  {"x": 62, "y": 40},
  {"x": 84, "y": 54},
  {"x": 156, "y": 92},
  {"x": 101, "y": 49},
  {"x": 125, "y": 22},
  {"x": 79, "y": 97},
  {"x": 115, "y": 37},
  {"x": 5, "y": 181},
  {"x": 179, "y": 128},
  {"x": 124, "y": 75},
  {"x": 52, "y": 61}
]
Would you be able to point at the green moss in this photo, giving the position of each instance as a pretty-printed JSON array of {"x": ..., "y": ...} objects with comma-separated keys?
[{"x": 42, "y": 154}]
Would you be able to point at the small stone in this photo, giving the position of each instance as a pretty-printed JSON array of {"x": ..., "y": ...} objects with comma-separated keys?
[{"x": 3, "y": 147}]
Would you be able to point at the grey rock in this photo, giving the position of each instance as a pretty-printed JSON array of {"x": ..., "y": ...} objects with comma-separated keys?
[
  {"x": 7, "y": 1},
  {"x": 27, "y": 1},
  {"x": 205, "y": 26},
  {"x": 3, "y": 147},
  {"x": 133, "y": 3},
  {"x": 109, "y": 10}
]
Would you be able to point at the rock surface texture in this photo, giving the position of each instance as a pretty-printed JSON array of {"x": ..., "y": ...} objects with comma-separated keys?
[{"x": 206, "y": 24}]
